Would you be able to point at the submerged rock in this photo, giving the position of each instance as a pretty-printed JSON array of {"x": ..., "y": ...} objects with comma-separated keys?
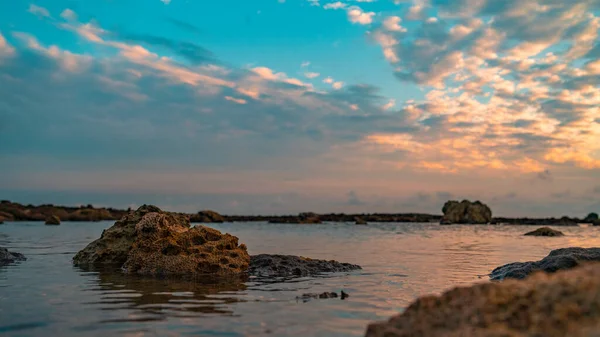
[
  {"x": 7, "y": 257},
  {"x": 294, "y": 266},
  {"x": 566, "y": 303},
  {"x": 152, "y": 242},
  {"x": 545, "y": 231},
  {"x": 53, "y": 220},
  {"x": 207, "y": 217},
  {"x": 558, "y": 259},
  {"x": 466, "y": 212}
]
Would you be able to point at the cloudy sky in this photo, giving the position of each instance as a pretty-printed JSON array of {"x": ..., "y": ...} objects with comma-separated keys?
[{"x": 282, "y": 106}]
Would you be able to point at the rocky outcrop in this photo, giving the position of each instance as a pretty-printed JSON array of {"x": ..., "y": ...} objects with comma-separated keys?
[
  {"x": 302, "y": 218},
  {"x": 565, "y": 258},
  {"x": 16, "y": 212},
  {"x": 294, "y": 266},
  {"x": 156, "y": 243},
  {"x": 466, "y": 212},
  {"x": 7, "y": 257},
  {"x": 545, "y": 231},
  {"x": 207, "y": 217},
  {"x": 564, "y": 221},
  {"x": 563, "y": 304},
  {"x": 53, "y": 220}
]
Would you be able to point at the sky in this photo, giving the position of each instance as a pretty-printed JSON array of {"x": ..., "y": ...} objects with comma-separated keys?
[{"x": 285, "y": 106}]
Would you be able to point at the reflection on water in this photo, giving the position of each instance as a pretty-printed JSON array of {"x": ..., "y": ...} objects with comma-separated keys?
[
  {"x": 46, "y": 295},
  {"x": 156, "y": 299}
]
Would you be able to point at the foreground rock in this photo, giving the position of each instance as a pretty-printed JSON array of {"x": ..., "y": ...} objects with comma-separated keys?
[
  {"x": 207, "y": 217},
  {"x": 545, "y": 231},
  {"x": 7, "y": 257},
  {"x": 466, "y": 212},
  {"x": 563, "y": 304},
  {"x": 294, "y": 266},
  {"x": 565, "y": 258},
  {"x": 152, "y": 242},
  {"x": 53, "y": 220}
]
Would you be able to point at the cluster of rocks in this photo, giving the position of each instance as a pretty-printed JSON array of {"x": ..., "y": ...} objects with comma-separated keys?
[
  {"x": 556, "y": 300},
  {"x": 12, "y": 211},
  {"x": 161, "y": 244}
]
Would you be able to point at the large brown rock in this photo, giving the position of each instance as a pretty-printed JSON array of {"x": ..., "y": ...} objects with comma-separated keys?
[
  {"x": 152, "y": 242},
  {"x": 466, "y": 212},
  {"x": 564, "y": 304},
  {"x": 207, "y": 217}
]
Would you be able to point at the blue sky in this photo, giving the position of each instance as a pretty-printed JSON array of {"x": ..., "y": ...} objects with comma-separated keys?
[{"x": 288, "y": 106}]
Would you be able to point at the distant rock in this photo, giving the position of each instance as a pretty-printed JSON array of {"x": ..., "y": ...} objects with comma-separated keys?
[
  {"x": 592, "y": 217},
  {"x": 466, "y": 212},
  {"x": 7, "y": 257},
  {"x": 545, "y": 231},
  {"x": 565, "y": 258},
  {"x": 302, "y": 218},
  {"x": 1, "y": 220},
  {"x": 53, "y": 220},
  {"x": 360, "y": 221},
  {"x": 13, "y": 211},
  {"x": 156, "y": 243},
  {"x": 563, "y": 304},
  {"x": 265, "y": 265},
  {"x": 207, "y": 217}
]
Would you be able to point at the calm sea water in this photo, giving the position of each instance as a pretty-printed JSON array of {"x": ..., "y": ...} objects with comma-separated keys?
[{"x": 47, "y": 296}]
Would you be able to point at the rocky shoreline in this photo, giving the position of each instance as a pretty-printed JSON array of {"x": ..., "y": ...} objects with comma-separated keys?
[{"x": 456, "y": 213}]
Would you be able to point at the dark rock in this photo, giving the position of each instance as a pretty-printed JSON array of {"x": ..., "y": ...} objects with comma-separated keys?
[
  {"x": 545, "y": 231},
  {"x": 324, "y": 295},
  {"x": 207, "y": 217},
  {"x": 156, "y": 243},
  {"x": 53, "y": 220},
  {"x": 265, "y": 265},
  {"x": 344, "y": 295},
  {"x": 563, "y": 304},
  {"x": 302, "y": 218},
  {"x": 591, "y": 218},
  {"x": 360, "y": 221},
  {"x": 7, "y": 257},
  {"x": 558, "y": 259},
  {"x": 466, "y": 212}
]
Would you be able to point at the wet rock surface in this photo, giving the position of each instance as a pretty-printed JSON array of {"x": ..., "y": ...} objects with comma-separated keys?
[
  {"x": 53, "y": 220},
  {"x": 7, "y": 257},
  {"x": 156, "y": 243},
  {"x": 562, "y": 304},
  {"x": 565, "y": 258},
  {"x": 545, "y": 231},
  {"x": 466, "y": 212},
  {"x": 265, "y": 265}
]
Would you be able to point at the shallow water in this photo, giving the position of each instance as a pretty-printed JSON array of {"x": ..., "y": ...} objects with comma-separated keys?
[{"x": 47, "y": 296}]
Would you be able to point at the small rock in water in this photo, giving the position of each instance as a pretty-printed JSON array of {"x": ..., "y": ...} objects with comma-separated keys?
[
  {"x": 325, "y": 295},
  {"x": 265, "y": 265},
  {"x": 344, "y": 295},
  {"x": 53, "y": 220},
  {"x": 7, "y": 257},
  {"x": 545, "y": 231}
]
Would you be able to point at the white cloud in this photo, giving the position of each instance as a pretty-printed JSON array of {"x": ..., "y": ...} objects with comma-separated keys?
[
  {"x": 390, "y": 104},
  {"x": 328, "y": 80},
  {"x": 5, "y": 48},
  {"x": 357, "y": 15},
  {"x": 392, "y": 23},
  {"x": 68, "y": 15},
  {"x": 337, "y": 85},
  {"x": 236, "y": 100},
  {"x": 39, "y": 11},
  {"x": 166, "y": 2},
  {"x": 335, "y": 5},
  {"x": 311, "y": 75},
  {"x": 305, "y": 64}
]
